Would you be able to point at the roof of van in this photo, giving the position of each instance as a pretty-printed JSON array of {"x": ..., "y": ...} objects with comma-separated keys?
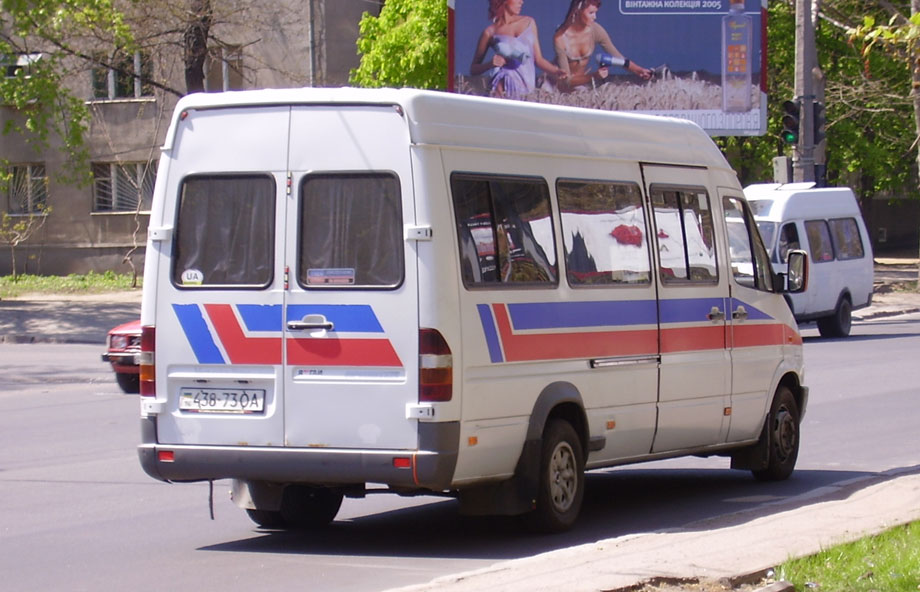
[
  {"x": 443, "y": 118},
  {"x": 777, "y": 202}
]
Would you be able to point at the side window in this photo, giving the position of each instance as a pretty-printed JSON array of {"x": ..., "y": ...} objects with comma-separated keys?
[
  {"x": 604, "y": 233},
  {"x": 684, "y": 233},
  {"x": 504, "y": 229},
  {"x": 351, "y": 231},
  {"x": 225, "y": 232},
  {"x": 749, "y": 259},
  {"x": 819, "y": 241},
  {"x": 847, "y": 242},
  {"x": 788, "y": 240}
]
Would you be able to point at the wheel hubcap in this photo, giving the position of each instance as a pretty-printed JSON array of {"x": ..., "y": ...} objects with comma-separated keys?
[
  {"x": 785, "y": 434},
  {"x": 563, "y": 477}
]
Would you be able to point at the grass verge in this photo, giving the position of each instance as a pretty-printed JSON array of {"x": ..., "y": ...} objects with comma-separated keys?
[
  {"x": 89, "y": 283},
  {"x": 888, "y": 562}
]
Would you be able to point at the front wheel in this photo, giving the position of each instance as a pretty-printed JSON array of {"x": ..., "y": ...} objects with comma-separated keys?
[
  {"x": 129, "y": 383},
  {"x": 561, "y": 481},
  {"x": 782, "y": 438}
]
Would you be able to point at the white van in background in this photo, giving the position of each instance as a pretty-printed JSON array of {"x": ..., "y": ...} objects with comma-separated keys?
[
  {"x": 827, "y": 223},
  {"x": 352, "y": 291}
]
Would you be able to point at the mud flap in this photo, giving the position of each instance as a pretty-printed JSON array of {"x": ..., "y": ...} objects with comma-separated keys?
[{"x": 512, "y": 497}]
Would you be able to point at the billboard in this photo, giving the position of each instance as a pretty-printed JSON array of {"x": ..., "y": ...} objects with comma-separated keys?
[{"x": 702, "y": 60}]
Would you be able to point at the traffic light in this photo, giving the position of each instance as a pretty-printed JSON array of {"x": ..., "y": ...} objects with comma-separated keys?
[
  {"x": 820, "y": 119},
  {"x": 790, "y": 122}
]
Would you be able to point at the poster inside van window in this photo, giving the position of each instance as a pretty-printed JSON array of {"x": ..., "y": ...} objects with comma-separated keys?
[{"x": 702, "y": 60}]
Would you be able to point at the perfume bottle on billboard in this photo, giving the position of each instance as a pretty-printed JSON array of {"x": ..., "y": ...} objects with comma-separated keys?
[{"x": 737, "y": 29}]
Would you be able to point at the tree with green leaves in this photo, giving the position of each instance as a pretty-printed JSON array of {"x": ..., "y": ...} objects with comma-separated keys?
[
  {"x": 405, "y": 46},
  {"x": 897, "y": 37},
  {"x": 869, "y": 134},
  {"x": 40, "y": 45}
]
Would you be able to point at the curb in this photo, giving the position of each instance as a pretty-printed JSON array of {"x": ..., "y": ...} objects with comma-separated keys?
[{"x": 33, "y": 339}]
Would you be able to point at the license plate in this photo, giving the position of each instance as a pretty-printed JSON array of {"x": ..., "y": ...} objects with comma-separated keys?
[{"x": 220, "y": 400}]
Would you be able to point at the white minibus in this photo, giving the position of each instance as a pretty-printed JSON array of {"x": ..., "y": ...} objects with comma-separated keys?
[
  {"x": 825, "y": 222},
  {"x": 350, "y": 291}
]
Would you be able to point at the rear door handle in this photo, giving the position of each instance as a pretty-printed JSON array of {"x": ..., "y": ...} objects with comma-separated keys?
[
  {"x": 311, "y": 322},
  {"x": 740, "y": 314}
]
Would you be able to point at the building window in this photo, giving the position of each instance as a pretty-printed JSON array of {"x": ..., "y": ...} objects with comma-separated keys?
[
  {"x": 26, "y": 189},
  {"x": 127, "y": 78},
  {"x": 223, "y": 69},
  {"x": 123, "y": 187},
  {"x": 12, "y": 64}
]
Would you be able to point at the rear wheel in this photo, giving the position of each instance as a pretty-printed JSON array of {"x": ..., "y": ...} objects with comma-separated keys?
[
  {"x": 307, "y": 507},
  {"x": 782, "y": 437},
  {"x": 837, "y": 324},
  {"x": 561, "y": 480}
]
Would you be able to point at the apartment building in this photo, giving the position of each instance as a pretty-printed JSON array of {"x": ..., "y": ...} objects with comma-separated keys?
[{"x": 100, "y": 224}]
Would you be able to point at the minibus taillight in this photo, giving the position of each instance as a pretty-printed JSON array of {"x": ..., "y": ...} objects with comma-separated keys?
[
  {"x": 147, "y": 368},
  {"x": 435, "y": 367}
]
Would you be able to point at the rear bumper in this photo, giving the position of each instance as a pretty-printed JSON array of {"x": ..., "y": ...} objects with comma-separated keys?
[{"x": 431, "y": 467}]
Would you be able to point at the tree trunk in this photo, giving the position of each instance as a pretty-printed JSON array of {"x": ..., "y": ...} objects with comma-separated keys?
[{"x": 196, "y": 43}]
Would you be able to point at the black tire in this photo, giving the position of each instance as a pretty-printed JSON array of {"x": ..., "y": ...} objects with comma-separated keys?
[
  {"x": 839, "y": 323},
  {"x": 307, "y": 507},
  {"x": 561, "y": 485},
  {"x": 129, "y": 383},
  {"x": 782, "y": 436},
  {"x": 267, "y": 518}
]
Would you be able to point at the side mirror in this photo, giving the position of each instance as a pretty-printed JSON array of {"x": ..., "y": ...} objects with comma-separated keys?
[{"x": 796, "y": 272}]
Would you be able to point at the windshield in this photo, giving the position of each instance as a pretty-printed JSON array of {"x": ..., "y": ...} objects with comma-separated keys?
[{"x": 768, "y": 233}]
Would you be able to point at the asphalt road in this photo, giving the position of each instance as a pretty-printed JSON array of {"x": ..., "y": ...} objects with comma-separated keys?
[{"x": 79, "y": 514}]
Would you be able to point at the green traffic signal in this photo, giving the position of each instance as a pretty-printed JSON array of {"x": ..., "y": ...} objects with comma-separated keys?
[{"x": 790, "y": 133}]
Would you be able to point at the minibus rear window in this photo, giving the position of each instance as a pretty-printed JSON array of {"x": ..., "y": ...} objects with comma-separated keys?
[
  {"x": 605, "y": 233},
  {"x": 505, "y": 230},
  {"x": 225, "y": 232},
  {"x": 350, "y": 231}
]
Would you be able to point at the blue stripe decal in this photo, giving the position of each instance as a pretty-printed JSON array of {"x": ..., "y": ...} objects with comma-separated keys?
[
  {"x": 347, "y": 318},
  {"x": 488, "y": 327},
  {"x": 261, "y": 317},
  {"x": 754, "y": 314},
  {"x": 573, "y": 315},
  {"x": 199, "y": 337},
  {"x": 689, "y": 310}
]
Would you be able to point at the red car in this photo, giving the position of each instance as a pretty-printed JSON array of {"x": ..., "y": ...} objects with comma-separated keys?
[{"x": 123, "y": 345}]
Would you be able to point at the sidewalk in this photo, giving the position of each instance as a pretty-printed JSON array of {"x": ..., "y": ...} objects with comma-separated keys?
[
  {"x": 67, "y": 319},
  {"x": 730, "y": 552}
]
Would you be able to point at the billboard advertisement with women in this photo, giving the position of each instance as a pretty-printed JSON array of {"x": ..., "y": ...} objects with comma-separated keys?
[{"x": 702, "y": 60}]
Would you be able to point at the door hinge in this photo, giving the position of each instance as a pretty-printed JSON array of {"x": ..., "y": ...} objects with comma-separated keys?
[
  {"x": 419, "y": 411},
  {"x": 418, "y": 233}
]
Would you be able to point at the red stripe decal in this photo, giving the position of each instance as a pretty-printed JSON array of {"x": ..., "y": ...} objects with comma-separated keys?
[
  {"x": 342, "y": 352},
  {"x": 692, "y": 339},
  {"x": 241, "y": 349},
  {"x": 758, "y": 335},
  {"x": 560, "y": 346}
]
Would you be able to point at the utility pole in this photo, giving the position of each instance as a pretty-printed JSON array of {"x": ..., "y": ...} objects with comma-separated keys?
[{"x": 803, "y": 153}]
